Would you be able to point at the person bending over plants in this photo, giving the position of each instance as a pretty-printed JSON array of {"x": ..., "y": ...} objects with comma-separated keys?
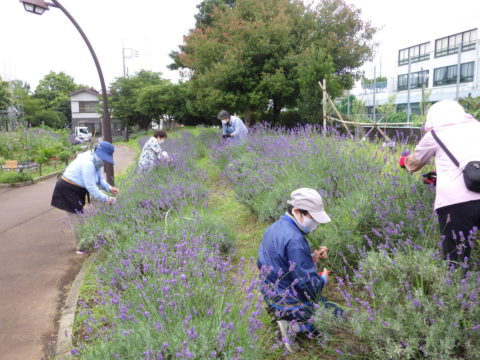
[
  {"x": 232, "y": 126},
  {"x": 452, "y": 139},
  {"x": 83, "y": 177},
  {"x": 152, "y": 152},
  {"x": 291, "y": 284}
]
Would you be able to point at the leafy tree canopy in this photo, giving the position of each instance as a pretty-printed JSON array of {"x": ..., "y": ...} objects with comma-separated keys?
[
  {"x": 50, "y": 118},
  {"x": 270, "y": 54},
  {"x": 206, "y": 11},
  {"x": 54, "y": 92},
  {"x": 125, "y": 92},
  {"x": 165, "y": 101}
]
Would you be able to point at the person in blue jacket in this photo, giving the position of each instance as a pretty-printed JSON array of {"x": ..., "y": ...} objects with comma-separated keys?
[
  {"x": 232, "y": 127},
  {"x": 291, "y": 281}
]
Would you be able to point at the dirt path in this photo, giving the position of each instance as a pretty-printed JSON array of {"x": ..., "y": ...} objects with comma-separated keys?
[{"x": 37, "y": 259}]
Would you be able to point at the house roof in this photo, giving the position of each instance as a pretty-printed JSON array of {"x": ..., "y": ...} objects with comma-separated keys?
[{"x": 89, "y": 90}]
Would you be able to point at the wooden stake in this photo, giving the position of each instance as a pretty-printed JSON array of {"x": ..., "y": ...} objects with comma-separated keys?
[
  {"x": 325, "y": 94},
  {"x": 324, "y": 104}
]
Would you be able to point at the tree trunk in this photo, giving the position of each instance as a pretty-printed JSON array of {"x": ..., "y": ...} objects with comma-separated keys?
[
  {"x": 276, "y": 111},
  {"x": 248, "y": 116},
  {"x": 144, "y": 123}
]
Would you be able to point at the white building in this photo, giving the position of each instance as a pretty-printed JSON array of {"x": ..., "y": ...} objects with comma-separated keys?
[
  {"x": 446, "y": 67},
  {"x": 85, "y": 107}
]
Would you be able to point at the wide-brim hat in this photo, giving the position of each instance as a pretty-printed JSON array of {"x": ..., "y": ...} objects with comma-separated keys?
[
  {"x": 105, "y": 151},
  {"x": 311, "y": 201}
]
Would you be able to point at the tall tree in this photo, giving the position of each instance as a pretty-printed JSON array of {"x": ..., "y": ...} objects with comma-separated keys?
[
  {"x": 5, "y": 95},
  {"x": 163, "y": 103},
  {"x": 252, "y": 56},
  {"x": 206, "y": 9},
  {"x": 204, "y": 18},
  {"x": 125, "y": 92},
  {"x": 54, "y": 92}
]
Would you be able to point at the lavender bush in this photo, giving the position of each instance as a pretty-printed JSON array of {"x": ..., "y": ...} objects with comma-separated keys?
[
  {"x": 402, "y": 300},
  {"x": 373, "y": 204},
  {"x": 164, "y": 286}
]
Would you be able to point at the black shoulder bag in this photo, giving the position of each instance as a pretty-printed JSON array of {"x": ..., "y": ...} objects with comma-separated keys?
[{"x": 471, "y": 172}]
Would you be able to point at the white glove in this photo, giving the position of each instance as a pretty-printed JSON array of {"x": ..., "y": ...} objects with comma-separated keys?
[
  {"x": 111, "y": 200},
  {"x": 165, "y": 154}
]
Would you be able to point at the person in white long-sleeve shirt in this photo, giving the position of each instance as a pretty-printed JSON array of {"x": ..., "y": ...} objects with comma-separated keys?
[
  {"x": 152, "y": 152},
  {"x": 232, "y": 126},
  {"x": 84, "y": 176}
]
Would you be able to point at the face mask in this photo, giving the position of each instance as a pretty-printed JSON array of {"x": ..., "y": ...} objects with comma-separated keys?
[
  {"x": 307, "y": 226},
  {"x": 161, "y": 141},
  {"x": 224, "y": 122},
  {"x": 310, "y": 224},
  {"x": 97, "y": 162}
]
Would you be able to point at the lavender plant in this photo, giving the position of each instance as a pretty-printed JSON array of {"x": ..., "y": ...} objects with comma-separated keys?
[
  {"x": 165, "y": 286},
  {"x": 405, "y": 303}
]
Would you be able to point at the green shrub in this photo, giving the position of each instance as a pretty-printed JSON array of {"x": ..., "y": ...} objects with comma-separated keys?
[
  {"x": 398, "y": 117},
  {"x": 65, "y": 156},
  {"x": 14, "y": 177}
]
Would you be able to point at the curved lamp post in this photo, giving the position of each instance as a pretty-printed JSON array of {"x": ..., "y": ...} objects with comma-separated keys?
[{"x": 38, "y": 7}]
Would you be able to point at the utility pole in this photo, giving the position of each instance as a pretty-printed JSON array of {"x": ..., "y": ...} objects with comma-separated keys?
[
  {"x": 408, "y": 87},
  {"x": 459, "y": 59},
  {"x": 423, "y": 91},
  {"x": 125, "y": 74},
  {"x": 374, "y": 94}
]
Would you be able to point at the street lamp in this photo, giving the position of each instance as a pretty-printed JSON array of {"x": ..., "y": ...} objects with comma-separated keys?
[
  {"x": 35, "y": 6},
  {"x": 38, "y": 7}
]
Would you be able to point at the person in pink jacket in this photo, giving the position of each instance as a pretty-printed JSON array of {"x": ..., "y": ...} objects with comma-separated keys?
[{"x": 458, "y": 208}]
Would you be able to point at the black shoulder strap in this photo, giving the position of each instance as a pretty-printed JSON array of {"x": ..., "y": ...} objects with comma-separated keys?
[{"x": 442, "y": 145}]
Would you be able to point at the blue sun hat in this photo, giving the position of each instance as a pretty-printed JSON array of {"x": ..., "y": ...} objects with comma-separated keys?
[{"x": 105, "y": 151}]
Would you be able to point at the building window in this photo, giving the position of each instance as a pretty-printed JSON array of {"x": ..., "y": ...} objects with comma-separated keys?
[
  {"x": 417, "y": 79},
  {"x": 414, "y": 108},
  {"x": 450, "y": 44},
  {"x": 469, "y": 40},
  {"x": 448, "y": 74},
  {"x": 88, "y": 106},
  {"x": 415, "y": 54},
  {"x": 466, "y": 72}
]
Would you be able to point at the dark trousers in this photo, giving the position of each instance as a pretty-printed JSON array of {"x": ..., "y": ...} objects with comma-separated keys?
[
  {"x": 457, "y": 224},
  {"x": 68, "y": 197}
]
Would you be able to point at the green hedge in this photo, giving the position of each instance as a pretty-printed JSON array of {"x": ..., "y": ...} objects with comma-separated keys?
[{"x": 14, "y": 177}]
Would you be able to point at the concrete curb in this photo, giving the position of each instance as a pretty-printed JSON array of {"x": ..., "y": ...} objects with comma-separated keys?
[
  {"x": 34, "y": 181},
  {"x": 65, "y": 329}
]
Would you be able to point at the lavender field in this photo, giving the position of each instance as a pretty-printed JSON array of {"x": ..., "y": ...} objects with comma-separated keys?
[{"x": 175, "y": 276}]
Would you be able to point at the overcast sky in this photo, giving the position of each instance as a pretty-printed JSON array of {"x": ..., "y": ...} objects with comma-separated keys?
[{"x": 32, "y": 45}]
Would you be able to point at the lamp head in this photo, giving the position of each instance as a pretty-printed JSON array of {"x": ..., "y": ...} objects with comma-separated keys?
[{"x": 35, "y": 6}]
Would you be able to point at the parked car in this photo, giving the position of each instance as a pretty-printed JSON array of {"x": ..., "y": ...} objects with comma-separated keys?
[{"x": 82, "y": 133}]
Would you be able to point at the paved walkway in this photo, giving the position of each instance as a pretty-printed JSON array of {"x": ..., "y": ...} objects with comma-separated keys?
[{"x": 37, "y": 260}]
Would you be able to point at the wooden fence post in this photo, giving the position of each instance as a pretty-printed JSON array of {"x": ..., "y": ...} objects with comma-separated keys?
[{"x": 324, "y": 105}]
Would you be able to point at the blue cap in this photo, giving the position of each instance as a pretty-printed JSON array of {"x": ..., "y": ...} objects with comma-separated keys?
[{"x": 105, "y": 151}]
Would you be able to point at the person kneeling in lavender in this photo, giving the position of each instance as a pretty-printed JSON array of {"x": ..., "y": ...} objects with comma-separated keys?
[{"x": 291, "y": 283}]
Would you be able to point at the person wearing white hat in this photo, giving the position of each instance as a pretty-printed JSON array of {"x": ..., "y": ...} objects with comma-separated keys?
[{"x": 291, "y": 283}]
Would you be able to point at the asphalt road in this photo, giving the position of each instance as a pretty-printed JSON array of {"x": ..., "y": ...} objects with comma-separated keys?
[{"x": 37, "y": 261}]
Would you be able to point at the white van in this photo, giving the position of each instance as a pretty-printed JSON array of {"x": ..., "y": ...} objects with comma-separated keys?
[{"x": 82, "y": 133}]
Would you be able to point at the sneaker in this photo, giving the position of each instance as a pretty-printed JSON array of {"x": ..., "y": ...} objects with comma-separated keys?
[
  {"x": 288, "y": 335},
  {"x": 83, "y": 252}
]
